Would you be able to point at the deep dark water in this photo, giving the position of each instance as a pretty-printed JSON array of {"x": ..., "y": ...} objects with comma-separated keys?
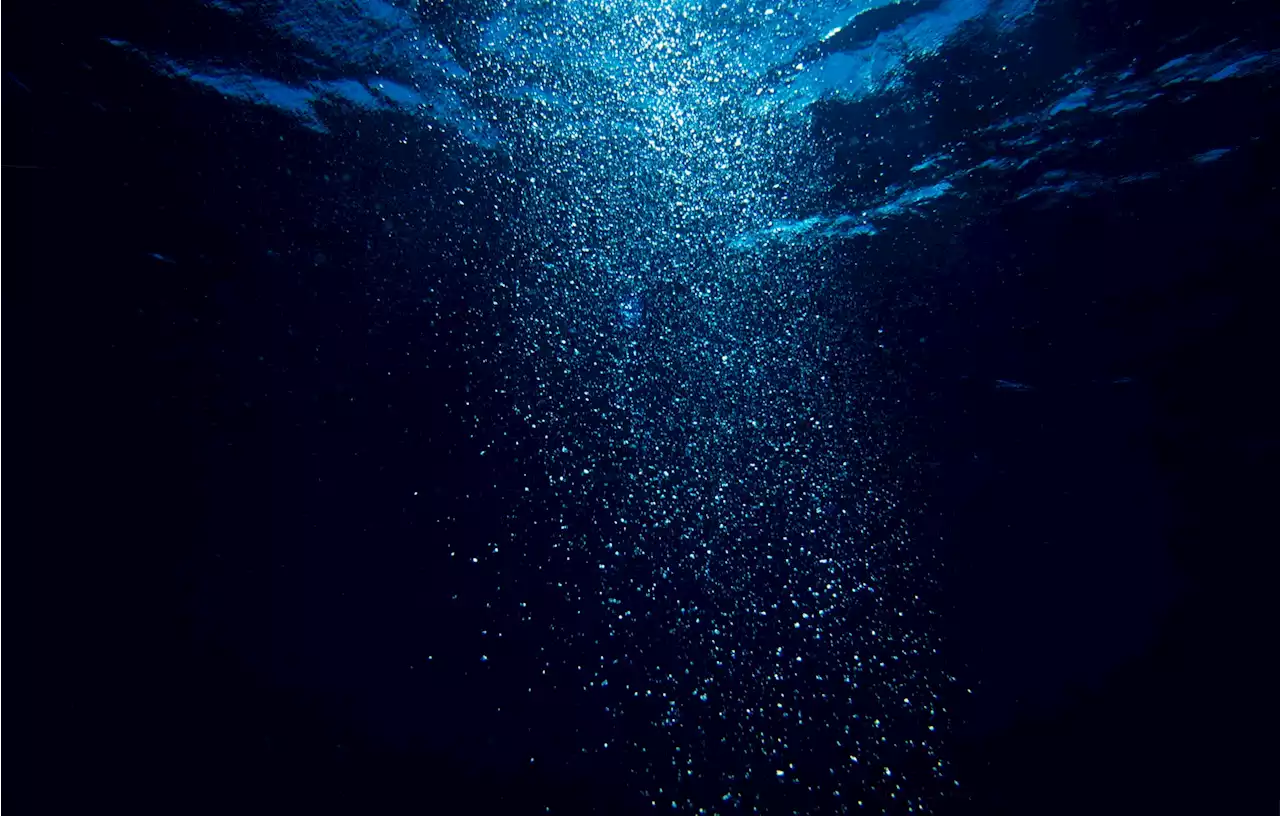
[{"x": 249, "y": 485}]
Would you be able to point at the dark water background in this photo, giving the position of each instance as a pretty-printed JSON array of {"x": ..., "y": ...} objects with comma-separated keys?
[{"x": 219, "y": 411}]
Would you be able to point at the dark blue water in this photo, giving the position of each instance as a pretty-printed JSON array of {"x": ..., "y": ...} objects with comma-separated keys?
[{"x": 627, "y": 407}]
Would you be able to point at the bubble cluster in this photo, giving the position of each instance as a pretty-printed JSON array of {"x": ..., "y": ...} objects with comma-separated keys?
[{"x": 720, "y": 476}]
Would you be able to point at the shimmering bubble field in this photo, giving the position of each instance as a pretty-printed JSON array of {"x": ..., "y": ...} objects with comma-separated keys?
[{"x": 756, "y": 603}]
